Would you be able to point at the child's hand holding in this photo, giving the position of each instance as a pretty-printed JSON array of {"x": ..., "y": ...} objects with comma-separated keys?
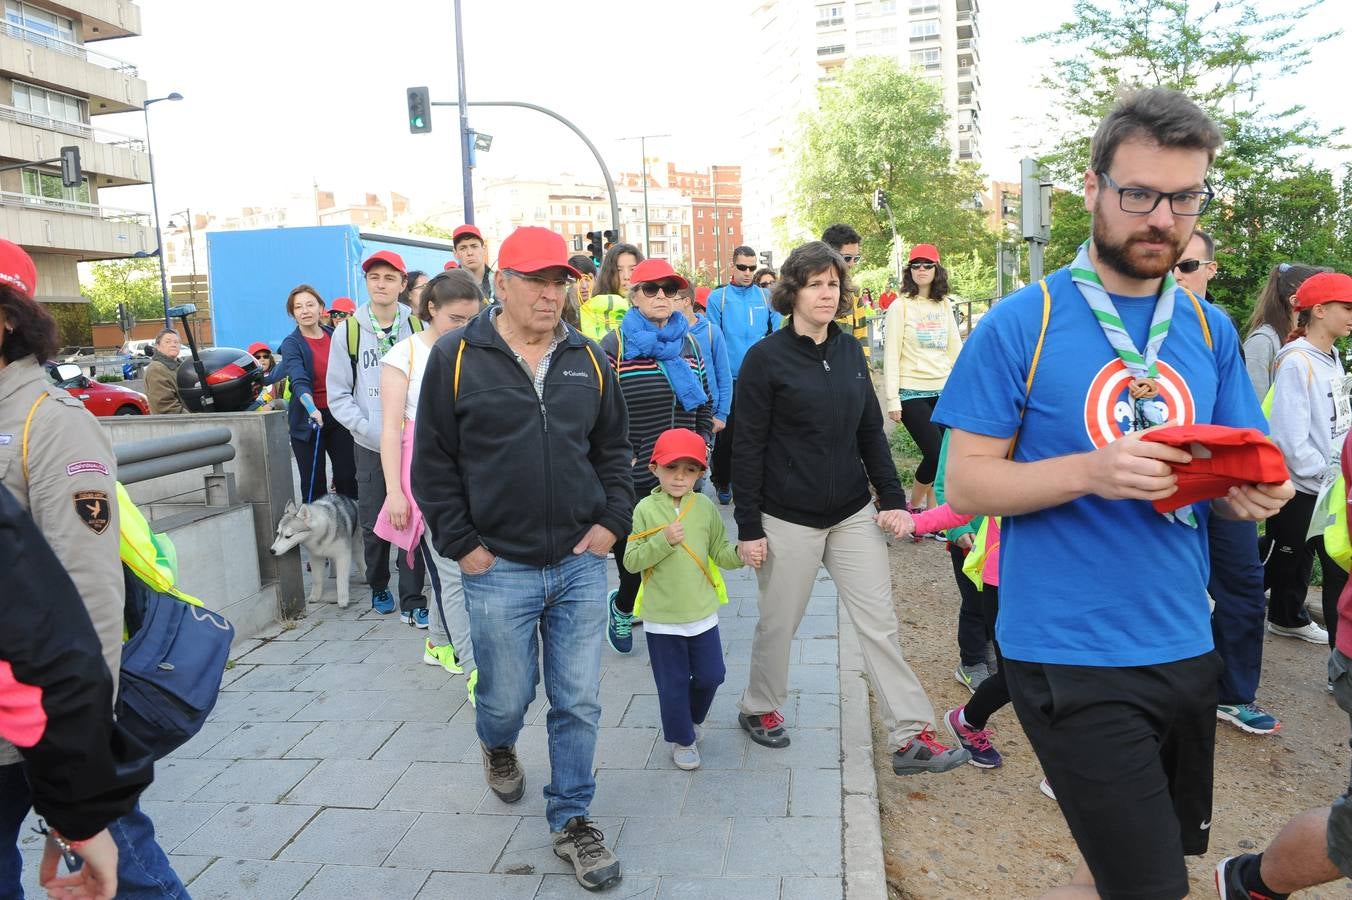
[
  {"x": 896, "y": 521},
  {"x": 674, "y": 533}
]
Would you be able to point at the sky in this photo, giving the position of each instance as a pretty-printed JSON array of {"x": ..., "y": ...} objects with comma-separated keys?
[{"x": 284, "y": 93}]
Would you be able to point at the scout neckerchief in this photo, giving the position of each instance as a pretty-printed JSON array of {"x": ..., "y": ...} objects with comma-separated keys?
[
  {"x": 385, "y": 337},
  {"x": 1144, "y": 385}
]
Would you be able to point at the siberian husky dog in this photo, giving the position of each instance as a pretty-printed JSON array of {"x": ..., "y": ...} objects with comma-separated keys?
[{"x": 325, "y": 528}]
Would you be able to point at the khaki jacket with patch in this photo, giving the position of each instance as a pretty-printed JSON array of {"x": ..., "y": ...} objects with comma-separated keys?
[{"x": 69, "y": 490}]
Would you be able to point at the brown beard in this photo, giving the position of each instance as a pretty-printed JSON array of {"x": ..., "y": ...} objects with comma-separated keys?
[{"x": 1117, "y": 256}]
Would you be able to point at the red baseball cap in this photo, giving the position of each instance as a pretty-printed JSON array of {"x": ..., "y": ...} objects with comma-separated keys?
[
  {"x": 17, "y": 269},
  {"x": 656, "y": 270},
  {"x": 680, "y": 443},
  {"x": 258, "y": 345},
  {"x": 388, "y": 257},
  {"x": 450, "y": 264},
  {"x": 1325, "y": 287},
  {"x": 343, "y": 304},
  {"x": 465, "y": 231},
  {"x": 925, "y": 251},
  {"x": 531, "y": 249},
  {"x": 1222, "y": 457},
  {"x": 702, "y": 297}
]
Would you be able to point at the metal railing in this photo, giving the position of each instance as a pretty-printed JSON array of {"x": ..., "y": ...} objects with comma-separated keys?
[
  {"x": 155, "y": 457},
  {"x": 77, "y": 207},
  {"x": 68, "y": 48},
  {"x": 75, "y": 129}
]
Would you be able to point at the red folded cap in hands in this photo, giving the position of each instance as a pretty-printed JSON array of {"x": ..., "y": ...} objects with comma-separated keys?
[{"x": 1222, "y": 457}]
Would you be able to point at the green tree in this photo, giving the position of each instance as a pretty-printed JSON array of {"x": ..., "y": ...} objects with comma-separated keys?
[
  {"x": 1272, "y": 205},
  {"x": 428, "y": 229},
  {"x": 880, "y": 126},
  {"x": 969, "y": 276},
  {"x": 132, "y": 281}
]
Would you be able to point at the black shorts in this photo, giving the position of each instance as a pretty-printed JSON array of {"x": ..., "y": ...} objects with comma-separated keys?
[{"x": 1129, "y": 753}]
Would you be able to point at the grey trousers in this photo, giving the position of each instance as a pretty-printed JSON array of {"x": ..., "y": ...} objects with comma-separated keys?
[
  {"x": 448, "y": 615},
  {"x": 855, "y": 555},
  {"x": 370, "y": 498}
]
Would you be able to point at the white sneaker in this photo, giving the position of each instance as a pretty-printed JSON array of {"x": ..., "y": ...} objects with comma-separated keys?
[
  {"x": 1310, "y": 631},
  {"x": 1046, "y": 788},
  {"x": 699, "y": 734},
  {"x": 686, "y": 758}
]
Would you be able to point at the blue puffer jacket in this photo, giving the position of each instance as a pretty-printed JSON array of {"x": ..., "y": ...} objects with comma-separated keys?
[
  {"x": 298, "y": 364},
  {"x": 744, "y": 316}
]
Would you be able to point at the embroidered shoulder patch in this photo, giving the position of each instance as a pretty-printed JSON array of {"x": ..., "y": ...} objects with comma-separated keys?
[
  {"x": 93, "y": 509},
  {"x": 86, "y": 465}
]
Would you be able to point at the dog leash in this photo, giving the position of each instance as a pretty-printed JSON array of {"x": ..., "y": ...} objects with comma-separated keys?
[{"x": 314, "y": 463}]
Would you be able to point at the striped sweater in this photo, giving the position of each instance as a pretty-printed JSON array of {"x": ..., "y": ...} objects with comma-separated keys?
[{"x": 653, "y": 407}]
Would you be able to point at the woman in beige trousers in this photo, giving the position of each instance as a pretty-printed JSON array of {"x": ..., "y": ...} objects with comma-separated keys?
[{"x": 809, "y": 442}]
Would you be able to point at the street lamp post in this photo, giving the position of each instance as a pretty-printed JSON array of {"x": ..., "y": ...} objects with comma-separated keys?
[
  {"x": 192, "y": 247},
  {"x": 155, "y": 203},
  {"x": 643, "y": 149}
]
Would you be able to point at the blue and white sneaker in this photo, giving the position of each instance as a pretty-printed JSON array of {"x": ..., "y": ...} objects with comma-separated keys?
[
  {"x": 619, "y": 627},
  {"x": 725, "y": 495},
  {"x": 382, "y": 602},
  {"x": 1248, "y": 717},
  {"x": 420, "y": 618}
]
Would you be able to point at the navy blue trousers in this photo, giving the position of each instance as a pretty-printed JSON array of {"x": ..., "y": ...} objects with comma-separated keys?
[
  {"x": 688, "y": 671},
  {"x": 1237, "y": 623}
]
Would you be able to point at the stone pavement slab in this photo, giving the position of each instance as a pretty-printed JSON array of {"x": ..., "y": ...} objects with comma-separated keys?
[{"x": 338, "y": 765}]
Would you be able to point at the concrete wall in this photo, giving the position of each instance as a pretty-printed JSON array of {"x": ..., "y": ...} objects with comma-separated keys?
[
  {"x": 97, "y": 158},
  {"x": 84, "y": 236},
  {"x": 262, "y": 468}
]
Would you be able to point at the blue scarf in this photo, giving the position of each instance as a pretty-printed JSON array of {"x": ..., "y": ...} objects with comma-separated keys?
[{"x": 644, "y": 340}]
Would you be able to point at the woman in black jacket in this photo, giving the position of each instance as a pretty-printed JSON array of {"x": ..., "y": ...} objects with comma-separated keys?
[
  {"x": 809, "y": 443},
  {"x": 305, "y": 361}
]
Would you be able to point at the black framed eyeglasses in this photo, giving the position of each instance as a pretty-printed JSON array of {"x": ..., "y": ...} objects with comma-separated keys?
[
  {"x": 650, "y": 288},
  {"x": 744, "y": 268},
  {"x": 1143, "y": 201},
  {"x": 540, "y": 285},
  {"x": 1188, "y": 266}
]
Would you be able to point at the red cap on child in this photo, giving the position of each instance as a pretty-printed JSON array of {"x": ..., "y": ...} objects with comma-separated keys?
[{"x": 679, "y": 443}]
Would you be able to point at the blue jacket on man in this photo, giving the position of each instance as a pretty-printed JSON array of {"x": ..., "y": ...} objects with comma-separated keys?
[
  {"x": 744, "y": 316},
  {"x": 715, "y": 350}
]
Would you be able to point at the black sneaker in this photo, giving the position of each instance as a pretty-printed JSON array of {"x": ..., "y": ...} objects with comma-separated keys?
[
  {"x": 923, "y": 753},
  {"x": 581, "y": 843},
  {"x": 766, "y": 729},
  {"x": 504, "y": 774},
  {"x": 1228, "y": 883}
]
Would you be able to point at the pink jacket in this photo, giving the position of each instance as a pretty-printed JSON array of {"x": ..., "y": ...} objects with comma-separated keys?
[{"x": 942, "y": 518}]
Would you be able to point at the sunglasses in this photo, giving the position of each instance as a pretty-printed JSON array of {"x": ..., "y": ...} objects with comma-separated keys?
[
  {"x": 741, "y": 268},
  {"x": 1188, "y": 266},
  {"x": 334, "y": 314},
  {"x": 858, "y": 257},
  {"x": 262, "y": 354},
  {"x": 765, "y": 282},
  {"x": 922, "y": 266},
  {"x": 650, "y": 288}
]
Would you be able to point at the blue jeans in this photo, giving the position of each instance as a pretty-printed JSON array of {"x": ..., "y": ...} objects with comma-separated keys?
[
  {"x": 565, "y": 604},
  {"x": 143, "y": 871},
  {"x": 687, "y": 671},
  {"x": 1237, "y": 622}
]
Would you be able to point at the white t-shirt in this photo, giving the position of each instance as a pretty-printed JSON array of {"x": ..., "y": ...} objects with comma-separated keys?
[{"x": 410, "y": 356}]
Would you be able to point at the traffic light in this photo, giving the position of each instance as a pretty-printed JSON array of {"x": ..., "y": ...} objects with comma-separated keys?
[
  {"x": 767, "y": 259},
  {"x": 594, "y": 246},
  {"x": 611, "y": 236},
  {"x": 70, "y": 167},
  {"x": 879, "y": 200},
  {"x": 419, "y": 111}
]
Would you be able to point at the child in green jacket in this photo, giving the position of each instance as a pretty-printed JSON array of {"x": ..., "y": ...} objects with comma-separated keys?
[{"x": 678, "y": 535}]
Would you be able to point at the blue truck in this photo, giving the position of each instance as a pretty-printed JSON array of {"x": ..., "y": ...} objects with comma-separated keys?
[{"x": 251, "y": 272}]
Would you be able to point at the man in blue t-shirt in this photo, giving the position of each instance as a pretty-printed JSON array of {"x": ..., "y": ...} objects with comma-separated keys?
[{"x": 1103, "y": 607}]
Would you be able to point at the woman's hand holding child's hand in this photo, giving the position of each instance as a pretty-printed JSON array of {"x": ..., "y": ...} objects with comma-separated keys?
[{"x": 896, "y": 521}]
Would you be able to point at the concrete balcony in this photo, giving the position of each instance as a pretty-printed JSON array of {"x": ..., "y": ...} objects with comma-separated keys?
[
  {"x": 103, "y": 19},
  {"x": 82, "y": 229},
  {"x": 109, "y": 159},
  {"x": 110, "y": 84}
]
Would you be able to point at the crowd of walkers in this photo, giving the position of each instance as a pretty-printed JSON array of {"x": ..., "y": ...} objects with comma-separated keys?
[{"x": 506, "y": 431}]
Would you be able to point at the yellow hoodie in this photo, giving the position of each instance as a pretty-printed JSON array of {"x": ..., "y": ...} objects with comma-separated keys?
[{"x": 922, "y": 341}]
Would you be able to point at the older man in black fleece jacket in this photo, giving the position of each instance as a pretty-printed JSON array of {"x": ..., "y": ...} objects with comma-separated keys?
[{"x": 521, "y": 470}]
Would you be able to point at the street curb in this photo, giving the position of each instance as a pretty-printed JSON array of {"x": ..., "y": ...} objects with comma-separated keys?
[{"x": 862, "y": 834}]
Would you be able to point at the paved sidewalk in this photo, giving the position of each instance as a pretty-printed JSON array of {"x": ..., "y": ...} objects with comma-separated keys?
[{"x": 338, "y": 765}]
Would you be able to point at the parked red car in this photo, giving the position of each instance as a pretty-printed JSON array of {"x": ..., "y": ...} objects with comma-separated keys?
[{"x": 100, "y": 399}]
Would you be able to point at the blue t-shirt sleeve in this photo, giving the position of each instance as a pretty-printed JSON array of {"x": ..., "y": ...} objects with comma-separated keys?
[
  {"x": 1236, "y": 403},
  {"x": 985, "y": 391}
]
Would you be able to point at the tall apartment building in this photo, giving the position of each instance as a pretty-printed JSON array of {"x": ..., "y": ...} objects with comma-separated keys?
[
  {"x": 804, "y": 44},
  {"x": 52, "y": 83}
]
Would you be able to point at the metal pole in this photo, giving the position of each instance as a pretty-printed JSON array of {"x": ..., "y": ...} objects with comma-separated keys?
[
  {"x": 466, "y": 157},
  {"x": 155, "y": 205},
  {"x": 192, "y": 250},
  {"x": 647, "y": 231},
  {"x": 605, "y": 172},
  {"x": 718, "y": 238},
  {"x": 1034, "y": 261}
]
